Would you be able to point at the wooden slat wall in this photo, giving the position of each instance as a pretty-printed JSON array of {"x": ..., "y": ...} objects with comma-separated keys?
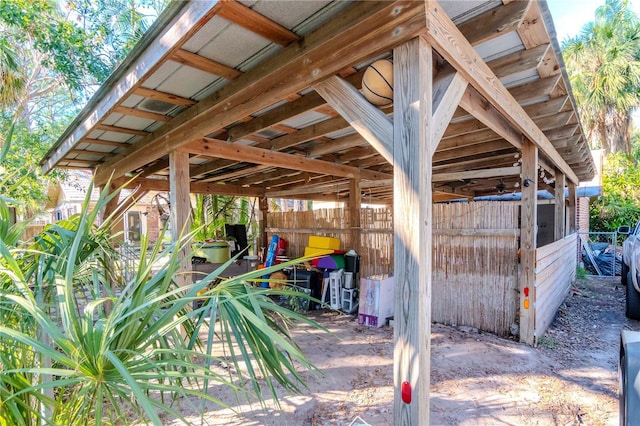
[
  {"x": 475, "y": 273},
  {"x": 554, "y": 273}
]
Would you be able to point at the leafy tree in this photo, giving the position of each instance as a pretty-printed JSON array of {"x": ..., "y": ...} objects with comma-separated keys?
[
  {"x": 603, "y": 64},
  {"x": 620, "y": 201},
  {"x": 117, "y": 24},
  {"x": 63, "y": 55},
  {"x": 67, "y": 49}
]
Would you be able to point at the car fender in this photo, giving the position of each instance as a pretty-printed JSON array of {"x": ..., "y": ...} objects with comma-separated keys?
[
  {"x": 633, "y": 268},
  {"x": 629, "y": 374}
]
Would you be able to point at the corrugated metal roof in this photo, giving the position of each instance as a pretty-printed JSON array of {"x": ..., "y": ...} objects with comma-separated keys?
[{"x": 243, "y": 40}]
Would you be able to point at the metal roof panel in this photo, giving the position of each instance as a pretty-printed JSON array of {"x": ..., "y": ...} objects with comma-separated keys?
[{"x": 186, "y": 82}]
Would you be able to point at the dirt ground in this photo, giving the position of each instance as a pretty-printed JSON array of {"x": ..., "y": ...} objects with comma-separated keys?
[{"x": 476, "y": 378}]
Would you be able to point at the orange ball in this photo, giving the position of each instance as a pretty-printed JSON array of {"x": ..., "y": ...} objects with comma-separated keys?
[{"x": 377, "y": 83}]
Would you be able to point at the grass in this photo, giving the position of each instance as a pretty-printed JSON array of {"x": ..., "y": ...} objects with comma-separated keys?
[
  {"x": 581, "y": 273},
  {"x": 547, "y": 342}
]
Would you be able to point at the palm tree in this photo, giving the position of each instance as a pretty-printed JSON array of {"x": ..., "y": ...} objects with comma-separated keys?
[
  {"x": 11, "y": 77},
  {"x": 86, "y": 365},
  {"x": 603, "y": 63}
]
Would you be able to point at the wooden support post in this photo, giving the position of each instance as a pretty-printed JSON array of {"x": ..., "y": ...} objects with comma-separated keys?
[
  {"x": 111, "y": 206},
  {"x": 110, "y": 268},
  {"x": 573, "y": 224},
  {"x": 560, "y": 206},
  {"x": 263, "y": 203},
  {"x": 180, "y": 209},
  {"x": 528, "y": 231},
  {"x": 412, "y": 211},
  {"x": 355, "y": 205}
]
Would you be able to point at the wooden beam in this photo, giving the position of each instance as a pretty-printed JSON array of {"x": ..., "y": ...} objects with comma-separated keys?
[
  {"x": 205, "y": 64},
  {"x": 473, "y": 138},
  {"x": 256, "y": 23},
  {"x": 550, "y": 107},
  {"x": 116, "y": 129},
  {"x": 370, "y": 122},
  {"x": 180, "y": 210},
  {"x": 220, "y": 149},
  {"x": 88, "y": 152},
  {"x": 471, "y": 150},
  {"x": 476, "y": 105},
  {"x": 337, "y": 145},
  {"x": 536, "y": 89},
  {"x": 502, "y": 160},
  {"x": 572, "y": 201},
  {"x": 551, "y": 122},
  {"x": 412, "y": 212},
  {"x": 141, "y": 113},
  {"x": 518, "y": 61},
  {"x": 363, "y": 30},
  {"x": 532, "y": 30},
  {"x": 355, "y": 205},
  {"x": 494, "y": 23},
  {"x": 528, "y": 243},
  {"x": 105, "y": 143},
  {"x": 310, "y": 101},
  {"x": 164, "y": 97},
  {"x": 210, "y": 167},
  {"x": 560, "y": 208},
  {"x": 477, "y": 174},
  {"x": 306, "y": 134},
  {"x": 156, "y": 167},
  {"x": 162, "y": 185},
  {"x": 448, "y": 90},
  {"x": 111, "y": 205},
  {"x": 452, "y": 45},
  {"x": 236, "y": 173},
  {"x": 274, "y": 177},
  {"x": 286, "y": 111}
]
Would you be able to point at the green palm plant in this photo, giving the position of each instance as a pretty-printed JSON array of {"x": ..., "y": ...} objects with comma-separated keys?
[
  {"x": 143, "y": 356},
  {"x": 603, "y": 63}
]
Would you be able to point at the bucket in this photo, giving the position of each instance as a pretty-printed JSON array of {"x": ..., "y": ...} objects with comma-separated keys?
[{"x": 216, "y": 251}]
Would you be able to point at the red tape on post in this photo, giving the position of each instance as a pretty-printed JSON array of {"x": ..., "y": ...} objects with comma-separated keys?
[{"x": 406, "y": 392}]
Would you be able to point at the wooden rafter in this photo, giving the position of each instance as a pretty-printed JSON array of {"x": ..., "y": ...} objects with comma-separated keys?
[
  {"x": 452, "y": 45},
  {"x": 205, "y": 64},
  {"x": 117, "y": 129},
  {"x": 141, "y": 113},
  {"x": 221, "y": 149},
  {"x": 324, "y": 55},
  {"x": 164, "y": 97},
  {"x": 248, "y": 18}
]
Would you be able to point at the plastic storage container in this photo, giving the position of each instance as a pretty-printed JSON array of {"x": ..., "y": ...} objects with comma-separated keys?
[
  {"x": 324, "y": 242},
  {"x": 216, "y": 251},
  {"x": 376, "y": 301}
]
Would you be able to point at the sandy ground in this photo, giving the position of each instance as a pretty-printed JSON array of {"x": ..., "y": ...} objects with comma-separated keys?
[{"x": 476, "y": 378}]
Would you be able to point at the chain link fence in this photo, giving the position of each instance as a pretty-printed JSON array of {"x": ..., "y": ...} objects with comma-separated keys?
[{"x": 599, "y": 253}]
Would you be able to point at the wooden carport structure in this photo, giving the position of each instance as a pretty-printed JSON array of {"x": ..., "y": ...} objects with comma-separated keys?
[{"x": 260, "y": 98}]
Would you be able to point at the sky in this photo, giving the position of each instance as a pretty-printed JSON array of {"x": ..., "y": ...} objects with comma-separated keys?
[{"x": 570, "y": 15}]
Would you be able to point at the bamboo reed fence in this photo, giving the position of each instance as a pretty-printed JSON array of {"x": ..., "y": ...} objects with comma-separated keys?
[
  {"x": 376, "y": 256},
  {"x": 475, "y": 268},
  {"x": 475, "y": 262}
]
